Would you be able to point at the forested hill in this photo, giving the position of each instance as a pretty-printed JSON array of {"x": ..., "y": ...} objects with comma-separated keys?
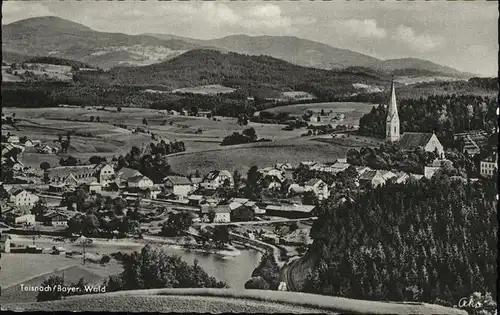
[
  {"x": 201, "y": 67},
  {"x": 431, "y": 241}
]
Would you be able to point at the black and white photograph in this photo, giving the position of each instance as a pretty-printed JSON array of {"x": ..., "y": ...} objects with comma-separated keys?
[{"x": 258, "y": 157}]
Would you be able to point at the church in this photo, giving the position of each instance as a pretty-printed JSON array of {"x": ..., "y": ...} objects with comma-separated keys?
[{"x": 408, "y": 140}]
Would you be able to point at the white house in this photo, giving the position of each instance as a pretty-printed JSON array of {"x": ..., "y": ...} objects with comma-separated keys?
[
  {"x": 105, "y": 173},
  {"x": 23, "y": 199},
  {"x": 489, "y": 165},
  {"x": 179, "y": 185},
  {"x": 57, "y": 219},
  {"x": 13, "y": 139},
  {"x": 436, "y": 165},
  {"x": 319, "y": 187},
  {"x": 27, "y": 219},
  {"x": 217, "y": 179},
  {"x": 222, "y": 214},
  {"x": 141, "y": 182},
  {"x": 95, "y": 188}
]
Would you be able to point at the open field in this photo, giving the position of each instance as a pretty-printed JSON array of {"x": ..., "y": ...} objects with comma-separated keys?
[
  {"x": 203, "y": 150},
  {"x": 242, "y": 157},
  {"x": 17, "y": 268},
  {"x": 206, "y": 89}
]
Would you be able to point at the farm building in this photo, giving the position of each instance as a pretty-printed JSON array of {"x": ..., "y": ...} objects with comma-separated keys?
[
  {"x": 437, "y": 164},
  {"x": 290, "y": 211},
  {"x": 95, "y": 188}
]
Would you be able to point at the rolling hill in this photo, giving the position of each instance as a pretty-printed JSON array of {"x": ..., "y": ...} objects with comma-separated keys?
[
  {"x": 203, "y": 67},
  {"x": 313, "y": 54},
  {"x": 57, "y": 37}
]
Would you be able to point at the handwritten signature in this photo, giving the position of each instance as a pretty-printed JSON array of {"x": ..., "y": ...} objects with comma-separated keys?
[{"x": 469, "y": 302}]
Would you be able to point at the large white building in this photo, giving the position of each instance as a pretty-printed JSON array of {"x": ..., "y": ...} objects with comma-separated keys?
[
  {"x": 489, "y": 165},
  {"x": 23, "y": 199},
  {"x": 178, "y": 185},
  {"x": 217, "y": 179}
]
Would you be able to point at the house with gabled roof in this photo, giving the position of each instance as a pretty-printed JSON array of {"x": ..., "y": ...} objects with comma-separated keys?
[
  {"x": 23, "y": 199},
  {"x": 424, "y": 140},
  {"x": 217, "y": 179},
  {"x": 180, "y": 186},
  {"x": 318, "y": 187}
]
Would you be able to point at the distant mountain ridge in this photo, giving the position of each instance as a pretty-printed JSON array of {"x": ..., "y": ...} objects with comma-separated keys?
[{"x": 56, "y": 37}]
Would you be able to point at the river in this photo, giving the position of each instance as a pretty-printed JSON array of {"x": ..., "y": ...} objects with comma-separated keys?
[{"x": 234, "y": 270}]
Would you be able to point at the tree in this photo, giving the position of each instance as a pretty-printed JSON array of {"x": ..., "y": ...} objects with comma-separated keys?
[
  {"x": 96, "y": 159},
  {"x": 44, "y": 166},
  {"x": 144, "y": 121},
  {"x": 251, "y": 134},
  {"x": 91, "y": 118},
  {"x": 309, "y": 198},
  {"x": 98, "y": 119},
  {"x": 119, "y": 109},
  {"x": 268, "y": 270},
  {"x": 39, "y": 209},
  {"x": 220, "y": 236},
  {"x": 55, "y": 283},
  {"x": 257, "y": 283},
  {"x": 177, "y": 224},
  {"x": 147, "y": 270}
]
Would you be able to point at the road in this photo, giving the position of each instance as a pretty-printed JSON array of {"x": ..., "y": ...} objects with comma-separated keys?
[{"x": 256, "y": 222}]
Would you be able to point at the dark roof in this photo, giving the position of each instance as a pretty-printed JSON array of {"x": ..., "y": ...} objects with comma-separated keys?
[
  {"x": 413, "y": 140},
  {"x": 178, "y": 180},
  {"x": 312, "y": 182},
  {"x": 126, "y": 172},
  {"x": 212, "y": 175},
  {"x": 16, "y": 191}
]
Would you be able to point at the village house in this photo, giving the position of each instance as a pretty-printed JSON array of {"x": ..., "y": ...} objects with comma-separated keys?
[
  {"x": 95, "y": 188},
  {"x": 56, "y": 219},
  {"x": 124, "y": 174},
  {"x": 284, "y": 166},
  {"x": 489, "y": 165},
  {"x": 375, "y": 178},
  {"x": 13, "y": 139},
  {"x": 318, "y": 187},
  {"x": 105, "y": 173},
  {"x": 23, "y": 199},
  {"x": 222, "y": 214},
  {"x": 26, "y": 220},
  {"x": 178, "y": 185},
  {"x": 273, "y": 172},
  {"x": 48, "y": 149},
  {"x": 140, "y": 182},
  {"x": 217, "y": 179},
  {"x": 154, "y": 192},
  {"x": 473, "y": 141},
  {"x": 5, "y": 243},
  {"x": 195, "y": 200},
  {"x": 436, "y": 165},
  {"x": 195, "y": 182}
]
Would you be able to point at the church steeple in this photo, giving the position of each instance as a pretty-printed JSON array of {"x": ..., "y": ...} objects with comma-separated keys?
[{"x": 392, "y": 122}]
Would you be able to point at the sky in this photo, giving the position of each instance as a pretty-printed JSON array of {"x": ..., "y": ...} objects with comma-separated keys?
[{"x": 462, "y": 35}]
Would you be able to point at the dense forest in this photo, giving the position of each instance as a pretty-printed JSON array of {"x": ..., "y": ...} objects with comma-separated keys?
[
  {"x": 432, "y": 241},
  {"x": 442, "y": 114}
]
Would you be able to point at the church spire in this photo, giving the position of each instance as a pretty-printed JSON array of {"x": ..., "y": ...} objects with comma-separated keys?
[
  {"x": 392, "y": 122},
  {"x": 393, "y": 107}
]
